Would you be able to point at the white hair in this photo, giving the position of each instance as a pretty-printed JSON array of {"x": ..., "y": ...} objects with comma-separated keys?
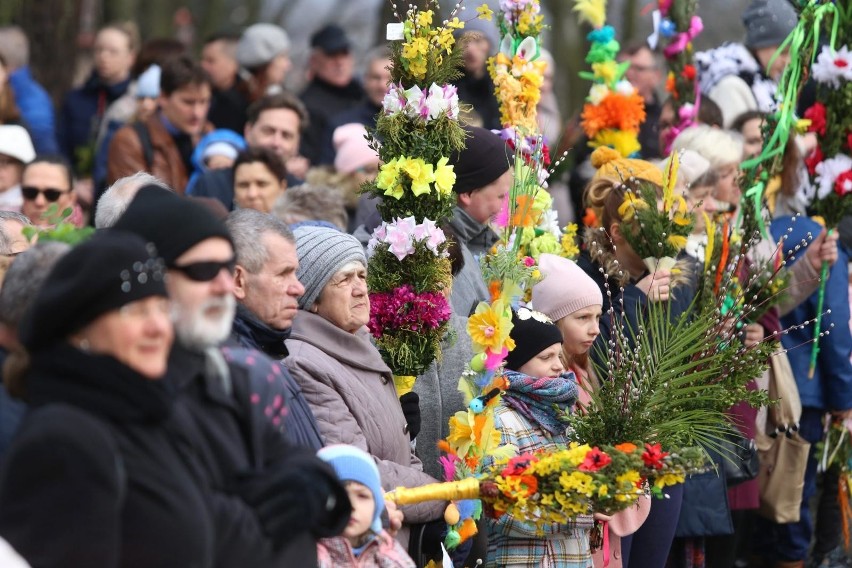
[
  {"x": 719, "y": 147},
  {"x": 115, "y": 200}
]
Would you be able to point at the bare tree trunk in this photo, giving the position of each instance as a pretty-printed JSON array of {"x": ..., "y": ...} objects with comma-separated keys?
[{"x": 52, "y": 27}]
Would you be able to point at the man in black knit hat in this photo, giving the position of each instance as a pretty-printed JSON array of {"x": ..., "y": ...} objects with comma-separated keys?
[
  {"x": 483, "y": 179},
  {"x": 287, "y": 496}
]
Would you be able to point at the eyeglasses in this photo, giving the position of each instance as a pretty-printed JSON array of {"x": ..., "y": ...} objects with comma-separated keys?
[
  {"x": 206, "y": 271},
  {"x": 52, "y": 195}
]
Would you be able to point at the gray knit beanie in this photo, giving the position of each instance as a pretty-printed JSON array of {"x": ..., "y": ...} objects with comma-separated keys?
[
  {"x": 322, "y": 252},
  {"x": 768, "y": 23}
]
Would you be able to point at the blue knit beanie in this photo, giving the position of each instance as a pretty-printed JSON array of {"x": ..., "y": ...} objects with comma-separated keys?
[{"x": 353, "y": 464}]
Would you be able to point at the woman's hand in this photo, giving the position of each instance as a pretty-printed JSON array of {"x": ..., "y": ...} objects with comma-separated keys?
[
  {"x": 823, "y": 248},
  {"x": 754, "y": 334},
  {"x": 657, "y": 286}
]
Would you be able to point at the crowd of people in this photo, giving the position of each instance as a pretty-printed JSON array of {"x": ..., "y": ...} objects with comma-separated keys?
[{"x": 195, "y": 384}]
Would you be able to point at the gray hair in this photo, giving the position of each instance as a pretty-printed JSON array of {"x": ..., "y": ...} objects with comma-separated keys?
[
  {"x": 24, "y": 279},
  {"x": 5, "y": 241},
  {"x": 308, "y": 202},
  {"x": 247, "y": 227},
  {"x": 115, "y": 200},
  {"x": 15, "y": 46}
]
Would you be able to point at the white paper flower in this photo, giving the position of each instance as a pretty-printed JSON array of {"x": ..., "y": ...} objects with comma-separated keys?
[
  {"x": 624, "y": 87},
  {"x": 828, "y": 171},
  {"x": 832, "y": 68},
  {"x": 413, "y": 101},
  {"x": 435, "y": 102},
  {"x": 598, "y": 93},
  {"x": 394, "y": 100}
]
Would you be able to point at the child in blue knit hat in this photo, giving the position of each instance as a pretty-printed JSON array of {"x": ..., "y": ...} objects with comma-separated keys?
[{"x": 363, "y": 543}]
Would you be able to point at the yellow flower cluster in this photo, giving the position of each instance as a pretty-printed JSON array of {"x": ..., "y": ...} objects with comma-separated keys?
[
  {"x": 416, "y": 174},
  {"x": 421, "y": 39},
  {"x": 517, "y": 85}
]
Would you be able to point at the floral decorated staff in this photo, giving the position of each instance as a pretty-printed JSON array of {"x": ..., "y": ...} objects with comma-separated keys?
[
  {"x": 614, "y": 110},
  {"x": 675, "y": 21},
  {"x": 418, "y": 127}
]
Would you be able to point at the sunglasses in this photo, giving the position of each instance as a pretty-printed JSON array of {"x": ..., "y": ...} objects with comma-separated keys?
[
  {"x": 206, "y": 271},
  {"x": 50, "y": 194}
]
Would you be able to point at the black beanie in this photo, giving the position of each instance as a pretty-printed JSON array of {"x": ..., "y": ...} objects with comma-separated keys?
[
  {"x": 483, "y": 160},
  {"x": 110, "y": 270},
  {"x": 173, "y": 223},
  {"x": 533, "y": 332}
]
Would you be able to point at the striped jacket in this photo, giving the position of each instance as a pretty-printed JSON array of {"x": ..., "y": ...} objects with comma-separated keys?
[{"x": 517, "y": 544}]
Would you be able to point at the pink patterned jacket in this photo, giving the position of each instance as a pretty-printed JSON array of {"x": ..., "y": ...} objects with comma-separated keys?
[{"x": 382, "y": 552}]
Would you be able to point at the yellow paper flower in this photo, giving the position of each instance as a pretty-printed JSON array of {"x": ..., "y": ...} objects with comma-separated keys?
[
  {"x": 445, "y": 177},
  {"x": 677, "y": 241},
  {"x": 483, "y": 12},
  {"x": 388, "y": 179},
  {"x": 624, "y": 142},
  {"x": 455, "y": 24},
  {"x": 416, "y": 47},
  {"x": 591, "y": 11},
  {"x": 605, "y": 71},
  {"x": 424, "y": 19},
  {"x": 668, "y": 479},
  {"x": 490, "y": 326},
  {"x": 461, "y": 432},
  {"x": 420, "y": 172},
  {"x": 630, "y": 205}
]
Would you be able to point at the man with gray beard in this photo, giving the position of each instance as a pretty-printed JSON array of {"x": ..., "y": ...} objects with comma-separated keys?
[{"x": 239, "y": 416}]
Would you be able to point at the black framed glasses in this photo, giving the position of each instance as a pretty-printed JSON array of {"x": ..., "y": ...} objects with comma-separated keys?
[
  {"x": 52, "y": 195},
  {"x": 206, "y": 271}
]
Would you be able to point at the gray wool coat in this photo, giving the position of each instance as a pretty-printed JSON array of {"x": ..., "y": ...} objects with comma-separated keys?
[
  {"x": 439, "y": 395},
  {"x": 350, "y": 391}
]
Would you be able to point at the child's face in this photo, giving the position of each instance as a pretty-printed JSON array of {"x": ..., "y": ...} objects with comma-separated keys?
[
  {"x": 219, "y": 162},
  {"x": 363, "y": 509},
  {"x": 545, "y": 364},
  {"x": 579, "y": 329}
]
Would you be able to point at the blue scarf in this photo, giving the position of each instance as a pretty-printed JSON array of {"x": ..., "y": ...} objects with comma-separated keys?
[{"x": 542, "y": 401}]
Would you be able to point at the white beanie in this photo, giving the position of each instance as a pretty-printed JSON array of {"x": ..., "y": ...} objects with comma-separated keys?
[{"x": 564, "y": 288}]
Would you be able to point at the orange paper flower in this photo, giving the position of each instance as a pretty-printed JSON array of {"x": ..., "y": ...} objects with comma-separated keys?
[{"x": 616, "y": 111}]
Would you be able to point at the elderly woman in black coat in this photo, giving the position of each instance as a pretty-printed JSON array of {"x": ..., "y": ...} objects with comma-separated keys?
[{"x": 96, "y": 476}]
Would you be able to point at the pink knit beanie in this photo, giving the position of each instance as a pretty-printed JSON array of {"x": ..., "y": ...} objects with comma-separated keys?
[
  {"x": 352, "y": 152},
  {"x": 564, "y": 288}
]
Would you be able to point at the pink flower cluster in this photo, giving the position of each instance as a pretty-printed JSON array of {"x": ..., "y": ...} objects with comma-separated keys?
[
  {"x": 402, "y": 234},
  {"x": 404, "y": 309},
  {"x": 427, "y": 106}
]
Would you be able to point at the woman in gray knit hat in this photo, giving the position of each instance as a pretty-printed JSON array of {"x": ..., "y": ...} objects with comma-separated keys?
[{"x": 342, "y": 375}]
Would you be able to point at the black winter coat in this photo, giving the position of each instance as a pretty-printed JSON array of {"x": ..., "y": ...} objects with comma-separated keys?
[{"x": 97, "y": 476}]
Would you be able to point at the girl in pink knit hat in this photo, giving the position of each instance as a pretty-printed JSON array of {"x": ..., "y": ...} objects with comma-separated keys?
[{"x": 568, "y": 296}]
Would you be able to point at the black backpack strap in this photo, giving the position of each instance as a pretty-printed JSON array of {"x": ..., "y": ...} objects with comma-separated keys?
[{"x": 145, "y": 140}]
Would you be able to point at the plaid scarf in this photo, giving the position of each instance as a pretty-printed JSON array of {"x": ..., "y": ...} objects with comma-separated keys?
[{"x": 542, "y": 401}]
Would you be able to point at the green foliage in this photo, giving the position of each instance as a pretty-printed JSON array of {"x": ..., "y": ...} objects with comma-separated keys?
[
  {"x": 671, "y": 382},
  {"x": 422, "y": 270},
  {"x": 58, "y": 229},
  {"x": 411, "y": 352},
  {"x": 653, "y": 231}
]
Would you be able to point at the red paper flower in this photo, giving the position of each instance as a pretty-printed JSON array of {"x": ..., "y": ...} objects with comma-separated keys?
[
  {"x": 518, "y": 465},
  {"x": 843, "y": 183},
  {"x": 531, "y": 483},
  {"x": 595, "y": 460},
  {"x": 813, "y": 160},
  {"x": 816, "y": 114},
  {"x": 689, "y": 72},
  {"x": 653, "y": 456}
]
